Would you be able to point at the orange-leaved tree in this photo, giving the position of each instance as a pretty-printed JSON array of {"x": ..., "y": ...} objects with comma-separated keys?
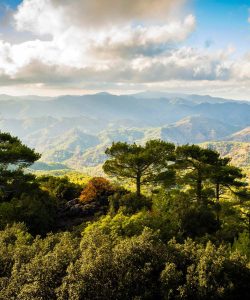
[{"x": 98, "y": 189}]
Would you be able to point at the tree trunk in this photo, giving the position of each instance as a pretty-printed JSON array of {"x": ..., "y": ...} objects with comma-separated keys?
[
  {"x": 248, "y": 224},
  {"x": 217, "y": 195},
  {"x": 199, "y": 189},
  {"x": 138, "y": 185}
]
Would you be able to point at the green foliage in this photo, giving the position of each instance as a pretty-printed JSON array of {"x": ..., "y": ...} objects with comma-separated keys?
[
  {"x": 21, "y": 200},
  {"x": 198, "y": 221},
  {"x": 14, "y": 154},
  {"x": 142, "y": 164},
  {"x": 126, "y": 269},
  {"x": 120, "y": 225},
  {"x": 194, "y": 164},
  {"x": 129, "y": 203},
  {"x": 60, "y": 188},
  {"x": 187, "y": 219},
  {"x": 104, "y": 266},
  {"x": 36, "y": 209},
  {"x": 33, "y": 268},
  {"x": 242, "y": 244},
  {"x": 231, "y": 221},
  {"x": 126, "y": 245},
  {"x": 160, "y": 218},
  {"x": 199, "y": 272}
]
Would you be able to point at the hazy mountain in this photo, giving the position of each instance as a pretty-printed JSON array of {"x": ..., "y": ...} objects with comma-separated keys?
[
  {"x": 237, "y": 151},
  {"x": 195, "y": 99},
  {"x": 196, "y": 129},
  {"x": 110, "y": 108},
  {"x": 240, "y": 136},
  {"x": 4, "y": 97},
  {"x": 73, "y": 143},
  {"x": 237, "y": 114},
  {"x": 76, "y": 130},
  {"x": 78, "y": 150}
]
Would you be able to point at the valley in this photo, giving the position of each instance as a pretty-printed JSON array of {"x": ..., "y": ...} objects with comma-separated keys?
[{"x": 72, "y": 132}]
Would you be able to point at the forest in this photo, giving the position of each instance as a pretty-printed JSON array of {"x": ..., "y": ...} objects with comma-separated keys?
[{"x": 166, "y": 222}]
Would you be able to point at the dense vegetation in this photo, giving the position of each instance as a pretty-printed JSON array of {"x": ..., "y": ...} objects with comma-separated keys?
[{"x": 169, "y": 223}]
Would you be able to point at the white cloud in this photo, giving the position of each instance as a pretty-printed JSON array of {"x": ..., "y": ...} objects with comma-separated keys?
[
  {"x": 180, "y": 64},
  {"x": 40, "y": 16},
  {"x": 121, "y": 51},
  {"x": 97, "y": 49},
  {"x": 52, "y": 16},
  {"x": 112, "y": 44}
]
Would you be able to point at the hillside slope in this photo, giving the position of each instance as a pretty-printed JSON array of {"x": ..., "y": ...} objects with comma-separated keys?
[
  {"x": 239, "y": 152},
  {"x": 76, "y": 130},
  {"x": 240, "y": 136},
  {"x": 196, "y": 129}
]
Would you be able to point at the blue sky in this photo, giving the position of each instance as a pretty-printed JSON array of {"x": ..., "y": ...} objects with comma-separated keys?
[
  {"x": 11, "y": 3},
  {"x": 219, "y": 23},
  {"x": 222, "y": 22},
  {"x": 53, "y": 47}
]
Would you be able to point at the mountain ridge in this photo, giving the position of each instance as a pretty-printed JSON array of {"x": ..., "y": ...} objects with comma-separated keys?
[{"x": 75, "y": 130}]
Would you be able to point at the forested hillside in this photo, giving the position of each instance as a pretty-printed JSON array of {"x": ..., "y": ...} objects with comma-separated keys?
[
  {"x": 239, "y": 152},
  {"x": 171, "y": 222},
  {"x": 124, "y": 150},
  {"x": 75, "y": 130}
]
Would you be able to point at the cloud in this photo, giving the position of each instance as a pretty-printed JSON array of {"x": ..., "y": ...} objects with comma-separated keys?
[
  {"x": 73, "y": 40},
  {"x": 140, "y": 40},
  {"x": 185, "y": 63},
  {"x": 53, "y": 16},
  {"x": 82, "y": 49},
  {"x": 107, "y": 43}
]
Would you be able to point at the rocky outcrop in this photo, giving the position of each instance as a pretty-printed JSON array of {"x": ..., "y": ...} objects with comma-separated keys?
[{"x": 74, "y": 213}]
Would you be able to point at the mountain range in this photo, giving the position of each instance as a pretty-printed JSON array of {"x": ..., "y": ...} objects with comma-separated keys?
[{"x": 75, "y": 130}]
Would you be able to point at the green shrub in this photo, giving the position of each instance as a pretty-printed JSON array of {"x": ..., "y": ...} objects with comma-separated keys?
[
  {"x": 242, "y": 244},
  {"x": 129, "y": 203}
]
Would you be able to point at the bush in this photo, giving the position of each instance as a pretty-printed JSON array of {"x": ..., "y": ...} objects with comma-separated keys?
[
  {"x": 128, "y": 269},
  {"x": 242, "y": 244},
  {"x": 97, "y": 190},
  {"x": 60, "y": 188},
  {"x": 199, "y": 272},
  {"x": 36, "y": 209},
  {"x": 129, "y": 203},
  {"x": 33, "y": 268},
  {"x": 199, "y": 221},
  {"x": 110, "y": 266}
]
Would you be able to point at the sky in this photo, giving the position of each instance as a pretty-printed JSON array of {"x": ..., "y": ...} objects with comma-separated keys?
[{"x": 55, "y": 47}]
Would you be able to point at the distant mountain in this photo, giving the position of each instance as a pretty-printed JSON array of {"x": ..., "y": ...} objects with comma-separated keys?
[
  {"x": 77, "y": 149},
  {"x": 196, "y": 129},
  {"x": 240, "y": 136},
  {"x": 197, "y": 99},
  {"x": 72, "y": 144},
  {"x": 73, "y": 151},
  {"x": 237, "y": 151},
  {"x": 74, "y": 131},
  {"x": 111, "y": 108},
  {"x": 37, "y": 166},
  {"x": 4, "y": 97}
]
